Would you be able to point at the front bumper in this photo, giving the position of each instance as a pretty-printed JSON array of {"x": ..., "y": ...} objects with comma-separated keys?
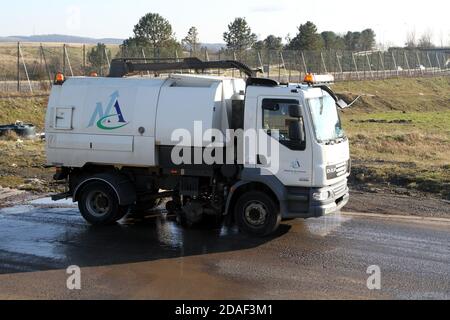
[
  {"x": 300, "y": 202},
  {"x": 331, "y": 208}
]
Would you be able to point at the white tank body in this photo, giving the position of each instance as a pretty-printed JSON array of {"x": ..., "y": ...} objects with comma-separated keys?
[{"x": 121, "y": 121}]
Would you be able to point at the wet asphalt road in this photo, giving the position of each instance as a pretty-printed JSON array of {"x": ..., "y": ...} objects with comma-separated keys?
[{"x": 153, "y": 258}]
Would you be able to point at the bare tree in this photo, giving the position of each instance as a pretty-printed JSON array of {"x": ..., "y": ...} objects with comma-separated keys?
[
  {"x": 411, "y": 39},
  {"x": 426, "y": 40},
  {"x": 191, "y": 41}
]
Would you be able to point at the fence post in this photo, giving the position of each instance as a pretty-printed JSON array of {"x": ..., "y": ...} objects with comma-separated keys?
[
  {"x": 64, "y": 59},
  {"x": 395, "y": 64},
  {"x": 25, "y": 68},
  {"x": 419, "y": 62},
  {"x": 218, "y": 69},
  {"x": 145, "y": 58},
  {"x": 18, "y": 66},
  {"x": 279, "y": 69},
  {"x": 260, "y": 61},
  {"x": 40, "y": 59},
  {"x": 304, "y": 63},
  {"x": 84, "y": 59},
  {"x": 340, "y": 65},
  {"x": 323, "y": 62},
  {"x": 68, "y": 60},
  {"x": 382, "y": 64},
  {"x": 234, "y": 58},
  {"x": 439, "y": 63},
  {"x": 429, "y": 62},
  {"x": 285, "y": 68},
  {"x": 46, "y": 65},
  {"x": 369, "y": 63},
  {"x": 107, "y": 58},
  {"x": 407, "y": 63},
  {"x": 284, "y": 63},
  {"x": 355, "y": 64},
  {"x": 444, "y": 62}
]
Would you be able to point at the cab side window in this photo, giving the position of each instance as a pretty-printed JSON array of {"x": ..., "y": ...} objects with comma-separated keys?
[{"x": 276, "y": 121}]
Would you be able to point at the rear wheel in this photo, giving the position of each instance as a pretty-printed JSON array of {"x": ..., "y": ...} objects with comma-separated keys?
[
  {"x": 99, "y": 204},
  {"x": 257, "y": 214}
]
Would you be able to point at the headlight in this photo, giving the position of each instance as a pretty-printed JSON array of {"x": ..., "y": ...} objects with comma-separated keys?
[{"x": 322, "y": 196}]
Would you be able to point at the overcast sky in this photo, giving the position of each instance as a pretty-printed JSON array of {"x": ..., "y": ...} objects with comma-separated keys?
[{"x": 115, "y": 18}]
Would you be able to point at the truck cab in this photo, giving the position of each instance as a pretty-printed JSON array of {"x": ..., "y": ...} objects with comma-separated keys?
[
  {"x": 314, "y": 156},
  {"x": 115, "y": 141}
]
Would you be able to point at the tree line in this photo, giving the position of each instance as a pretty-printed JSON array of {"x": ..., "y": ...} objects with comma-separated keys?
[{"x": 154, "y": 32}]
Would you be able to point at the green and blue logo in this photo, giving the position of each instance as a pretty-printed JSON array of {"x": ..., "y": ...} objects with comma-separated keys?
[{"x": 110, "y": 118}]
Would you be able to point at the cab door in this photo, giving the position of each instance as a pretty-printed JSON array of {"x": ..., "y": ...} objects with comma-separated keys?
[{"x": 290, "y": 160}]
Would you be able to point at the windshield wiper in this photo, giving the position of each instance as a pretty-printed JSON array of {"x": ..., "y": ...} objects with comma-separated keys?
[
  {"x": 341, "y": 140},
  {"x": 330, "y": 142}
]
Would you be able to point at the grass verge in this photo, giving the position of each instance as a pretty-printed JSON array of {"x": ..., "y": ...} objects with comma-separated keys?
[{"x": 400, "y": 133}]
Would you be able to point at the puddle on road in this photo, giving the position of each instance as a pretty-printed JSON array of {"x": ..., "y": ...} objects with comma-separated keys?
[
  {"x": 326, "y": 225},
  {"x": 17, "y": 209},
  {"x": 48, "y": 202},
  {"x": 29, "y": 206},
  {"x": 43, "y": 229}
]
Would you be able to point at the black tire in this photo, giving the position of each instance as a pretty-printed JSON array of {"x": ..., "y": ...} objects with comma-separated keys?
[
  {"x": 257, "y": 214},
  {"x": 99, "y": 205}
]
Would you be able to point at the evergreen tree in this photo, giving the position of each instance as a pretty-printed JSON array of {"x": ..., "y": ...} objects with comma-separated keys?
[
  {"x": 154, "y": 29},
  {"x": 239, "y": 36},
  {"x": 307, "y": 38}
]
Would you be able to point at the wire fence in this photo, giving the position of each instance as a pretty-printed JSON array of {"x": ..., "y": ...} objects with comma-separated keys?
[{"x": 32, "y": 67}]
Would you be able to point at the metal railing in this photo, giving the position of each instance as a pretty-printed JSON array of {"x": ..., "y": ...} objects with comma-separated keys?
[{"x": 30, "y": 67}]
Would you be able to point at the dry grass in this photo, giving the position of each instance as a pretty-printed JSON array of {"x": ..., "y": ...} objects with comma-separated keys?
[
  {"x": 32, "y": 57},
  {"x": 9, "y": 136},
  {"x": 22, "y": 166},
  {"x": 400, "y": 133},
  {"x": 22, "y": 161},
  {"x": 26, "y": 108}
]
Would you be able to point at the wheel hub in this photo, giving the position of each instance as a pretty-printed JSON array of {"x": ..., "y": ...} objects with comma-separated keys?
[
  {"x": 98, "y": 203},
  {"x": 256, "y": 214}
]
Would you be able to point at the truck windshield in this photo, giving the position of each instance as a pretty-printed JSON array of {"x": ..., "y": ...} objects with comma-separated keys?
[{"x": 326, "y": 121}]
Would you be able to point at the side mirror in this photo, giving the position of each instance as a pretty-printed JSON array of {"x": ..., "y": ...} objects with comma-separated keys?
[
  {"x": 342, "y": 104},
  {"x": 296, "y": 133},
  {"x": 295, "y": 111}
]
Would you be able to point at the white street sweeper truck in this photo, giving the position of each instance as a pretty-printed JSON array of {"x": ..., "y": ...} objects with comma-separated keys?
[{"x": 253, "y": 152}]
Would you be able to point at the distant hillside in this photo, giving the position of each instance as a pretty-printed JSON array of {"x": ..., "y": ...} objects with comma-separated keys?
[
  {"x": 213, "y": 46},
  {"x": 60, "y": 38}
]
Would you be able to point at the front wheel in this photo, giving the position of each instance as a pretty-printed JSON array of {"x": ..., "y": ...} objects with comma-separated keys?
[
  {"x": 257, "y": 214},
  {"x": 99, "y": 204}
]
